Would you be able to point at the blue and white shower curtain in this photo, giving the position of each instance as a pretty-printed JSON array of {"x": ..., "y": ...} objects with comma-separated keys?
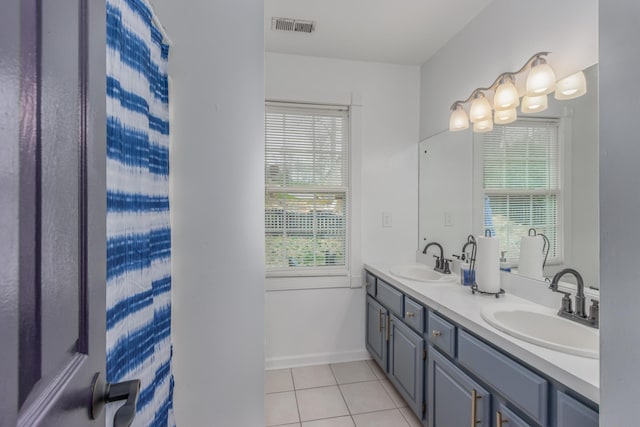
[{"x": 138, "y": 227}]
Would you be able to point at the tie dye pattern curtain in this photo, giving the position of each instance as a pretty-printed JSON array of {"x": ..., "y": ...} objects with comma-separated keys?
[{"x": 138, "y": 227}]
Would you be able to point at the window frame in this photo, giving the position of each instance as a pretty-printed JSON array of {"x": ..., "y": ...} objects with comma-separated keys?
[
  {"x": 562, "y": 204},
  {"x": 320, "y": 276}
]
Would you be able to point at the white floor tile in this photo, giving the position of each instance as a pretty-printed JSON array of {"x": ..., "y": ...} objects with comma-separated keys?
[
  {"x": 290, "y": 425},
  {"x": 330, "y": 422},
  {"x": 278, "y": 380},
  {"x": 393, "y": 393},
  {"x": 391, "y": 418},
  {"x": 281, "y": 408},
  {"x": 323, "y": 402},
  {"x": 410, "y": 417},
  {"x": 353, "y": 372},
  {"x": 376, "y": 369},
  {"x": 312, "y": 376},
  {"x": 366, "y": 397}
]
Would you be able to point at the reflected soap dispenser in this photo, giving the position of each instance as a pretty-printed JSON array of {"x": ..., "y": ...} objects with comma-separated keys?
[{"x": 504, "y": 264}]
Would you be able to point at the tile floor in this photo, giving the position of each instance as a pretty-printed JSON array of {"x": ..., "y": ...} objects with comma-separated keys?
[{"x": 352, "y": 394}]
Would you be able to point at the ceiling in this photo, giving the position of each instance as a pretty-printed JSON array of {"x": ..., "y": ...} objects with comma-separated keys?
[{"x": 392, "y": 31}]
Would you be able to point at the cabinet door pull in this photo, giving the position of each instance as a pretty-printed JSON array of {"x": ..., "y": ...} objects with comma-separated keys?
[
  {"x": 379, "y": 320},
  {"x": 409, "y": 314},
  {"x": 474, "y": 407},
  {"x": 388, "y": 327},
  {"x": 436, "y": 333},
  {"x": 500, "y": 420}
]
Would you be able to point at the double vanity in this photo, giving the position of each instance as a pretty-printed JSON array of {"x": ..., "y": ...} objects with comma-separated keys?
[{"x": 461, "y": 359}]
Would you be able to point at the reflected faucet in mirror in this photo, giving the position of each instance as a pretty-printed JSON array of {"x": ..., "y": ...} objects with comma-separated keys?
[
  {"x": 442, "y": 264},
  {"x": 593, "y": 319}
]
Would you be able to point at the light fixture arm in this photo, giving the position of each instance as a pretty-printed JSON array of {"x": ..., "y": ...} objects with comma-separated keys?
[{"x": 530, "y": 61}]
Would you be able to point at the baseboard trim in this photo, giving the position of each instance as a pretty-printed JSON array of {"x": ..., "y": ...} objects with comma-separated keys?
[{"x": 315, "y": 359}]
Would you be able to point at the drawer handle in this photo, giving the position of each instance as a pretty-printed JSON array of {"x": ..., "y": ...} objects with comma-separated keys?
[
  {"x": 436, "y": 333},
  {"x": 410, "y": 314},
  {"x": 474, "y": 407},
  {"x": 500, "y": 420}
]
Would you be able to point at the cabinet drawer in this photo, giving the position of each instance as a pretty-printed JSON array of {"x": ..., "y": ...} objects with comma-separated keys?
[
  {"x": 389, "y": 297},
  {"x": 522, "y": 387},
  {"x": 442, "y": 334},
  {"x": 571, "y": 412},
  {"x": 370, "y": 281},
  {"x": 414, "y": 314}
]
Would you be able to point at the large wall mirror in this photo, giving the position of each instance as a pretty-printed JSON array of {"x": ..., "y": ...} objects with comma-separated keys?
[{"x": 539, "y": 172}]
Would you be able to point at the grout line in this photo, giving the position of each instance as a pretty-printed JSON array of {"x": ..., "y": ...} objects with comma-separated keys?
[{"x": 298, "y": 407}]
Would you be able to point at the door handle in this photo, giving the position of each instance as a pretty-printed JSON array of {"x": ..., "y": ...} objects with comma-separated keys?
[{"x": 104, "y": 393}]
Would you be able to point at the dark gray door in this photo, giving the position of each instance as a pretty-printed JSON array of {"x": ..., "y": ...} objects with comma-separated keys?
[
  {"x": 454, "y": 398},
  {"x": 52, "y": 210},
  {"x": 406, "y": 364},
  {"x": 376, "y": 325}
]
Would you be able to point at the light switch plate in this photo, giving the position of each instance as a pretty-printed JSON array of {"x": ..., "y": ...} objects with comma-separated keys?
[{"x": 386, "y": 219}]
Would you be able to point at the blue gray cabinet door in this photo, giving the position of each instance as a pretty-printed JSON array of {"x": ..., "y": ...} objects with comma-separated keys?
[
  {"x": 455, "y": 400},
  {"x": 505, "y": 417},
  {"x": 376, "y": 332},
  {"x": 406, "y": 364},
  {"x": 570, "y": 413}
]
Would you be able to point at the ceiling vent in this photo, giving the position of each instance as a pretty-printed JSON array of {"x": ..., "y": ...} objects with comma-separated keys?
[{"x": 296, "y": 25}]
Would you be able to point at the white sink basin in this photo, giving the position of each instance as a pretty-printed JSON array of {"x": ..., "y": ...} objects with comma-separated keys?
[
  {"x": 542, "y": 326},
  {"x": 422, "y": 273}
]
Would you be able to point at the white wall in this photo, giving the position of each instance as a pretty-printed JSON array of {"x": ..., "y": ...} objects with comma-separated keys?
[
  {"x": 326, "y": 325},
  {"x": 217, "y": 155},
  {"x": 501, "y": 38},
  {"x": 619, "y": 210}
]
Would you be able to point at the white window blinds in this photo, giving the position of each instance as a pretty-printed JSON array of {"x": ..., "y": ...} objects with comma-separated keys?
[
  {"x": 521, "y": 183},
  {"x": 306, "y": 189}
]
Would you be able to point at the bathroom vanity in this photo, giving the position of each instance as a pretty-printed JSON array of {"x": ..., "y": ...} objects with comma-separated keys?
[{"x": 454, "y": 369}]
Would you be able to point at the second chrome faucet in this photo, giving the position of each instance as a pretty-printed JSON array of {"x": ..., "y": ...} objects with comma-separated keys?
[
  {"x": 579, "y": 315},
  {"x": 442, "y": 264}
]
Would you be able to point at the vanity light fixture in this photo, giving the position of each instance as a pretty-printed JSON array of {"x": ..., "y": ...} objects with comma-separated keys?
[
  {"x": 505, "y": 116},
  {"x": 506, "y": 97},
  {"x": 483, "y": 126},
  {"x": 459, "y": 119},
  {"x": 480, "y": 108},
  {"x": 541, "y": 81},
  {"x": 571, "y": 86},
  {"x": 534, "y": 104}
]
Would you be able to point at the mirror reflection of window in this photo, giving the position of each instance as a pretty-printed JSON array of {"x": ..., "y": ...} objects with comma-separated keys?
[{"x": 521, "y": 186}]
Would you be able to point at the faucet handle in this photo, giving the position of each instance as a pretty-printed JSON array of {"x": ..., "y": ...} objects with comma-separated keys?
[
  {"x": 594, "y": 311},
  {"x": 566, "y": 303},
  {"x": 446, "y": 268}
]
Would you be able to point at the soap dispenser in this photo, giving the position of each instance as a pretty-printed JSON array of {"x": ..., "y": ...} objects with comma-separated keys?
[
  {"x": 504, "y": 264},
  {"x": 466, "y": 273}
]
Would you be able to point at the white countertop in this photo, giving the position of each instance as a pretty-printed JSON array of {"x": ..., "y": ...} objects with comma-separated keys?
[{"x": 457, "y": 303}]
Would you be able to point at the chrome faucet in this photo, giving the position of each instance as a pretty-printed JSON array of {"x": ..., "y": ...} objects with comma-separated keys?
[
  {"x": 442, "y": 264},
  {"x": 593, "y": 319}
]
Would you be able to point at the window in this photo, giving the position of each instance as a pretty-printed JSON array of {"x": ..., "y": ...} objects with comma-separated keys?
[
  {"x": 306, "y": 189},
  {"x": 521, "y": 183}
]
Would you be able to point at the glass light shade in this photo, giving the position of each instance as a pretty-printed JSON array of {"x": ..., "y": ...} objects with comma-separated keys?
[
  {"x": 483, "y": 126},
  {"x": 458, "y": 120},
  {"x": 541, "y": 80},
  {"x": 571, "y": 86},
  {"x": 505, "y": 116},
  {"x": 480, "y": 109},
  {"x": 506, "y": 97},
  {"x": 534, "y": 104}
]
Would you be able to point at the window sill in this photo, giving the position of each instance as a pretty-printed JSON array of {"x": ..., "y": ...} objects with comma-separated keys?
[{"x": 312, "y": 282}]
